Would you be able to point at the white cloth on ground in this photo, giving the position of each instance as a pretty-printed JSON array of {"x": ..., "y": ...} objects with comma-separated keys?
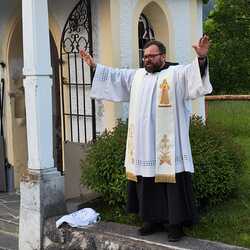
[{"x": 81, "y": 218}]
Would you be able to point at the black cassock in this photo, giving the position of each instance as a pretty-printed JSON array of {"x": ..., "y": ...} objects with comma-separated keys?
[{"x": 163, "y": 202}]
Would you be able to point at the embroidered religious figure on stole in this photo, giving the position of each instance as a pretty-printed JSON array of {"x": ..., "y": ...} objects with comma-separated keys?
[
  {"x": 165, "y": 151},
  {"x": 164, "y": 99}
]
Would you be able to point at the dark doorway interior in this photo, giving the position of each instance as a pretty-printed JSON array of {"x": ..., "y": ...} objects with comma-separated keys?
[{"x": 56, "y": 107}]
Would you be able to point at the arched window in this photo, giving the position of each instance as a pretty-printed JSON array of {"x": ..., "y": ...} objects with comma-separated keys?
[{"x": 145, "y": 33}]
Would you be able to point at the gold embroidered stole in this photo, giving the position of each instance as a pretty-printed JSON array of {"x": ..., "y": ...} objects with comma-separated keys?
[
  {"x": 165, "y": 144},
  {"x": 165, "y": 125}
]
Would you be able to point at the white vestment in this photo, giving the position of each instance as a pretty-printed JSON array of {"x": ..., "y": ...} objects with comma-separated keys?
[{"x": 115, "y": 85}]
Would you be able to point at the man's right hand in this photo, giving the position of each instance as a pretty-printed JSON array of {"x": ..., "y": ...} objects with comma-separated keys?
[{"x": 87, "y": 58}]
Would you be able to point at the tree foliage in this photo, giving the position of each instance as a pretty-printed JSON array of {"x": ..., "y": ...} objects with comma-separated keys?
[{"x": 228, "y": 26}]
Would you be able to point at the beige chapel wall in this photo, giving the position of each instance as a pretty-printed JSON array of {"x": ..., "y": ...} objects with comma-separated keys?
[{"x": 109, "y": 49}]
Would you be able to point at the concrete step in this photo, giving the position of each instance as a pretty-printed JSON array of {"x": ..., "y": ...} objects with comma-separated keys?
[
  {"x": 8, "y": 225},
  {"x": 8, "y": 241},
  {"x": 9, "y": 213},
  {"x": 114, "y": 236}
]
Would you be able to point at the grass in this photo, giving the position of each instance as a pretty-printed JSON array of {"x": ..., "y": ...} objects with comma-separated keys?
[
  {"x": 233, "y": 115},
  {"x": 230, "y": 222}
]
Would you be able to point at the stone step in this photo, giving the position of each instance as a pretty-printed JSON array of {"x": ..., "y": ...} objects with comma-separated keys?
[
  {"x": 113, "y": 236},
  {"x": 8, "y": 241},
  {"x": 8, "y": 225},
  {"x": 9, "y": 213}
]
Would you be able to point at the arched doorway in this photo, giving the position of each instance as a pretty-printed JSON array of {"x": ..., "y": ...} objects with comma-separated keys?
[
  {"x": 17, "y": 102},
  {"x": 158, "y": 20},
  {"x": 145, "y": 34},
  {"x": 153, "y": 21}
]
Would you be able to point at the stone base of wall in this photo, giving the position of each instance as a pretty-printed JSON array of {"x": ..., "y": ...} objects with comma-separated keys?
[{"x": 113, "y": 236}]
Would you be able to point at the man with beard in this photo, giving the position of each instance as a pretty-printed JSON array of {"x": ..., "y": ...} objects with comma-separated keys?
[{"x": 158, "y": 159}]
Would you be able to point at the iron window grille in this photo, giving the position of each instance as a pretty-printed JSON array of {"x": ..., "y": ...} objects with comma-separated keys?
[{"x": 79, "y": 122}]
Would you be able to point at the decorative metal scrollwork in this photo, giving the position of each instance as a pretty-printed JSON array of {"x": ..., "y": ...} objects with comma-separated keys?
[{"x": 77, "y": 28}]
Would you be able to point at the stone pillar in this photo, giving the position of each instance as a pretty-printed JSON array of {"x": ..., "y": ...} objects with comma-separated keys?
[{"x": 42, "y": 187}]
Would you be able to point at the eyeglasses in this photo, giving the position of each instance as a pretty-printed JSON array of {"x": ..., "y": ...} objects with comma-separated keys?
[{"x": 152, "y": 56}]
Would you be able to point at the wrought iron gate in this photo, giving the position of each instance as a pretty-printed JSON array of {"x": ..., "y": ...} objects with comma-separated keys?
[{"x": 79, "y": 122}]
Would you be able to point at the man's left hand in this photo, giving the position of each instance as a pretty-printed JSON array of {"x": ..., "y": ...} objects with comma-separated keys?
[{"x": 202, "y": 47}]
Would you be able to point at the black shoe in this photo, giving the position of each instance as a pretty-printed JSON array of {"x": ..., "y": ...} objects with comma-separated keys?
[
  {"x": 150, "y": 228},
  {"x": 166, "y": 227},
  {"x": 175, "y": 233}
]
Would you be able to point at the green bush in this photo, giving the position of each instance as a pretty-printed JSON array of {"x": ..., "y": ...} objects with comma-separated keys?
[
  {"x": 103, "y": 167},
  {"x": 218, "y": 162}
]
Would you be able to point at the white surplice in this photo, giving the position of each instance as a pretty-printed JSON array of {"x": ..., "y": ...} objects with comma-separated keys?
[{"x": 115, "y": 85}]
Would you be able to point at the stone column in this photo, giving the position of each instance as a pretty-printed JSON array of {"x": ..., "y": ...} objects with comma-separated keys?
[{"x": 42, "y": 187}]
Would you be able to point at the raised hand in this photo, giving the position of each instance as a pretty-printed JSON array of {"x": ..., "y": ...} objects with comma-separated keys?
[
  {"x": 201, "y": 48},
  {"x": 87, "y": 58}
]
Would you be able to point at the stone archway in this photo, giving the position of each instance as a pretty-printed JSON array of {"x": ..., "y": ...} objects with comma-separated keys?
[
  {"x": 17, "y": 105},
  {"x": 159, "y": 22}
]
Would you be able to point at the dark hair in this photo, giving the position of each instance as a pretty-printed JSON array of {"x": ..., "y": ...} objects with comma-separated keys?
[{"x": 159, "y": 44}]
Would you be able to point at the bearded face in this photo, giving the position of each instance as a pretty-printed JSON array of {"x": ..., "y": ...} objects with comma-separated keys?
[{"x": 153, "y": 59}]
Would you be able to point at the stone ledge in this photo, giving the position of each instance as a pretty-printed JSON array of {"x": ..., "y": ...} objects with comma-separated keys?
[
  {"x": 8, "y": 241},
  {"x": 8, "y": 226},
  {"x": 114, "y": 236}
]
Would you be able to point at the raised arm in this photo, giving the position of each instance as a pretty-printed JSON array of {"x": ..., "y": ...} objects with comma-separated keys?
[
  {"x": 193, "y": 78},
  {"x": 201, "y": 49},
  {"x": 110, "y": 84}
]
